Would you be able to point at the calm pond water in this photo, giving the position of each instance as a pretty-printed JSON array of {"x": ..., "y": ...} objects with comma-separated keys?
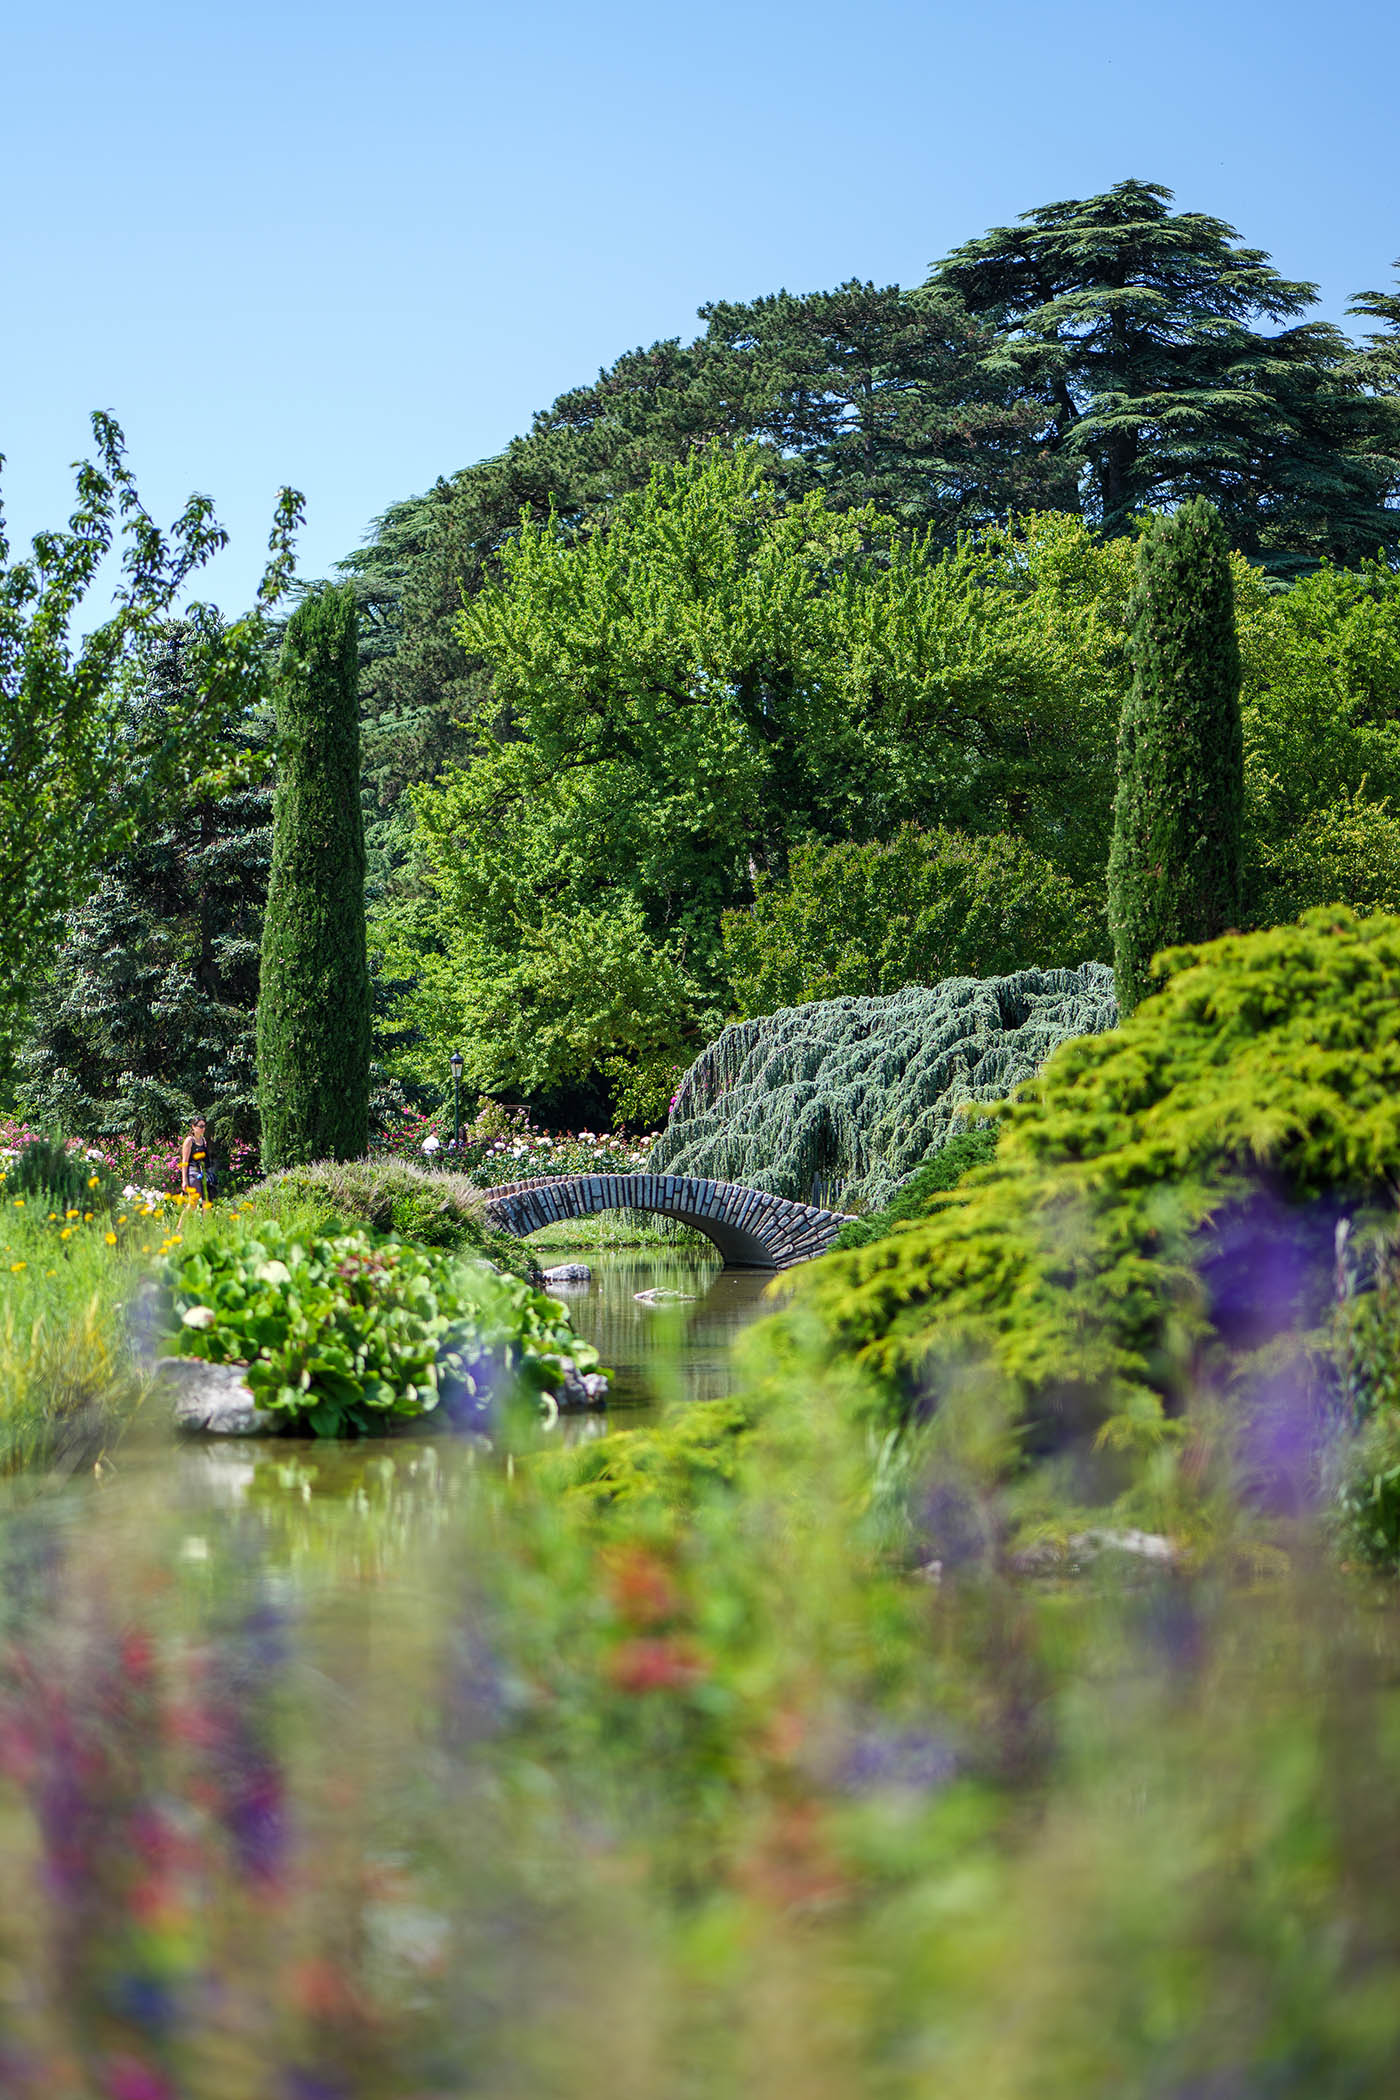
[
  {"x": 253, "y": 1825},
  {"x": 674, "y": 1350}
]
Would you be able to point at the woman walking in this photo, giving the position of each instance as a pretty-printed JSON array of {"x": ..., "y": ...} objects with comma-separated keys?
[{"x": 196, "y": 1169}]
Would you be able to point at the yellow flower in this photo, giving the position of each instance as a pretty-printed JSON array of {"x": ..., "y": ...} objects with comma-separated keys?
[
  {"x": 87, "y": 1217},
  {"x": 67, "y": 1233},
  {"x": 122, "y": 1219},
  {"x": 93, "y": 1180},
  {"x": 110, "y": 1238},
  {"x": 70, "y": 1214},
  {"x": 19, "y": 1203},
  {"x": 53, "y": 1217},
  {"x": 16, "y": 1266}
]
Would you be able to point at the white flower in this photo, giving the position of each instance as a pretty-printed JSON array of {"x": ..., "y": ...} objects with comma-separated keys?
[
  {"x": 274, "y": 1272},
  {"x": 198, "y": 1316},
  {"x": 131, "y": 1192}
]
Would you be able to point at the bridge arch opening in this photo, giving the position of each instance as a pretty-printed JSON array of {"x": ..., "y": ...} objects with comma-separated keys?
[{"x": 749, "y": 1228}]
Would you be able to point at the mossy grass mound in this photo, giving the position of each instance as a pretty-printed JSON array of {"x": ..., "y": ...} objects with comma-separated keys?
[
  {"x": 1162, "y": 1196},
  {"x": 395, "y": 1196}
]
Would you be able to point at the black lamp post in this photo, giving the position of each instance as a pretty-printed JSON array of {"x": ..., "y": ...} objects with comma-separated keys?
[{"x": 456, "y": 1063}]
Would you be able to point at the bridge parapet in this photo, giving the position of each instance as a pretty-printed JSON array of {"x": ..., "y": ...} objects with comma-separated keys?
[{"x": 750, "y": 1228}]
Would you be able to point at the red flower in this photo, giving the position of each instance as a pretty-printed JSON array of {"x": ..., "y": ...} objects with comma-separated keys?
[
  {"x": 667, "y": 1663},
  {"x": 641, "y": 1587}
]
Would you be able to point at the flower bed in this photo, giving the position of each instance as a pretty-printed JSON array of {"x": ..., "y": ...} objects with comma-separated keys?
[
  {"x": 503, "y": 1145},
  {"x": 152, "y": 1168}
]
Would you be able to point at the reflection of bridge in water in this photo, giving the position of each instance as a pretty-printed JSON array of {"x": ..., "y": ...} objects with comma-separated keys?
[{"x": 750, "y": 1228}]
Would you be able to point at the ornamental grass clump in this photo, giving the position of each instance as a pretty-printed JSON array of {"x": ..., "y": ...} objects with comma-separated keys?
[
  {"x": 841, "y": 1100},
  {"x": 343, "y": 1335},
  {"x": 1158, "y": 1221}
]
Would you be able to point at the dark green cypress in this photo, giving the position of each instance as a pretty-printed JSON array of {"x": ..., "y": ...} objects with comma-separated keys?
[
  {"x": 1174, "y": 867},
  {"x": 314, "y": 997}
]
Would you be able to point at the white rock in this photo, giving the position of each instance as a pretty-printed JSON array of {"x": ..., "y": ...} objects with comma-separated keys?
[
  {"x": 569, "y": 1272},
  {"x": 212, "y": 1400}
]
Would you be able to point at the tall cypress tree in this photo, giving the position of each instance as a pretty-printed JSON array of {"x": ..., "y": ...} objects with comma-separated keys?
[
  {"x": 1174, "y": 867},
  {"x": 314, "y": 1000}
]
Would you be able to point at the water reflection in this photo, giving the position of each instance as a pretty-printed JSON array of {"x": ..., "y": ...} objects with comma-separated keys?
[{"x": 668, "y": 1350}]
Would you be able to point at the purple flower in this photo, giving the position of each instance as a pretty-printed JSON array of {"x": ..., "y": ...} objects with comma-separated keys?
[{"x": 898, "y": 1760}]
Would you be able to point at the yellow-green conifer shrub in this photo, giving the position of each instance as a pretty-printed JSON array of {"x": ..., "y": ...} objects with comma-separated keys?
[{"x": 1070, "y": 1268}]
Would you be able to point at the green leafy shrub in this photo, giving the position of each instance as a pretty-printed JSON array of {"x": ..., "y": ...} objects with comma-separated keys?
[
  {"x": 863, "y": 920},
  {"x": 394, "y": 1196},
  {"x": 1074, "y": 1268},
  {"x": 965, "y": 1149},
  {"x": 343, "y": 1335},
  {"x": 842, "y": 1100}
]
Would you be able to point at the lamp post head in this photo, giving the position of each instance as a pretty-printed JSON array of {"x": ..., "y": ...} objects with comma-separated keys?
[{"x": 456, "y": 1063}]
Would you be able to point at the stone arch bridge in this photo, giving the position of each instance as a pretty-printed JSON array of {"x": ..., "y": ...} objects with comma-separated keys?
[{"x": 750, "y": 1228}]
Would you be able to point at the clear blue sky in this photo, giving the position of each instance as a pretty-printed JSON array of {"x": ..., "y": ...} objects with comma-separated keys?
[{"x": 353, "y": 247}]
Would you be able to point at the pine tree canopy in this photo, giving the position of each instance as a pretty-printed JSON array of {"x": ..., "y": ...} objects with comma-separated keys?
[{"x": 1137, "y": 328}]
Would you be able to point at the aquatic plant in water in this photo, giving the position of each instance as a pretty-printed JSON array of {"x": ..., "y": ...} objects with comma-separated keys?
[{"x": 842, "y": 1099}]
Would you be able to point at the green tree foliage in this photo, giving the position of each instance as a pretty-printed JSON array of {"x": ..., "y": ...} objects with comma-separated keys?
[
  {"x": 1174, "y": 871},
  {"x": 840, "y": 1101},
  {"x": 1109, "y": 340},
  {"x": 868, "y": 393},
  {"x": 1347, "y": 853},
  {"x": 313, "y": 1026},
  {"x": 1137, "y": 329},
  {"x": 682, "y": 699},
  {"x": 75, "y": 783},
  {"x": 1080, "y": 1270},
  {"x": 719, "y": 680},
  {"x": 1320, "y": 697},
  {"x": 147, "y": 1010},
  {"x": 867, "y": 919},
  {"x": 1376, "y": 364}
]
